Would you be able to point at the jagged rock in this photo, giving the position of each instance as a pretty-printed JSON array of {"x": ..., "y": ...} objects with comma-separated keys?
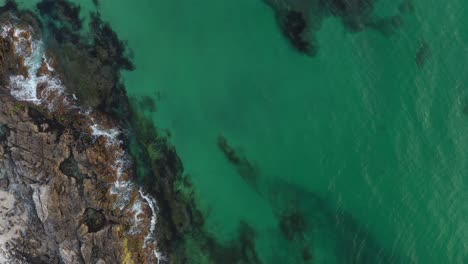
[
  {"x": 40, "y": 198},
  {"x": 70, "y": 211},
  {"x": 61, "y": 171},
  {"x": 95, "y": 220}
]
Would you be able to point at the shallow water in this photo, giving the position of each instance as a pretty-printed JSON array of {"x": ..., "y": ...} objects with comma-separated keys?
[{"x": 366, "y": 142}]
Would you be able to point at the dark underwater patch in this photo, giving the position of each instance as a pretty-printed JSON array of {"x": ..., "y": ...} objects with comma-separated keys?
[
  {"x": 89, "y": 63},
  {"x": 300, "y": 20},
  {"x": 95, "y": 220},
  {"x": 423, "y": 54},
  {"x": 303, "y": 215},
  {"x": 61, "y": 11},
  {"x": 246, "y": 169},
  {"x": 406, "y": 7},
  {"x": 293, "y": 225}
]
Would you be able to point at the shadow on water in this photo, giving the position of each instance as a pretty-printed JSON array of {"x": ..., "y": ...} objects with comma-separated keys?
[{"x": 310, "y": 223}]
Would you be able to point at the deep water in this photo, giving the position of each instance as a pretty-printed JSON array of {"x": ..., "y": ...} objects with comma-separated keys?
[{"x": 357, "y": 154}]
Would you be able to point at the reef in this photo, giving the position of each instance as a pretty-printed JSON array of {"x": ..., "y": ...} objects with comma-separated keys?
[{"x": 300, "y": 20}]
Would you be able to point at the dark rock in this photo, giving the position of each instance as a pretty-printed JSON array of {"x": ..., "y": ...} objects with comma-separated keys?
[
  {"x": 294, "y": 27},
  {"x": 66, "y": 12},
  {"x": 70, "y": 168},
  {"x": 9, "y": 6},
  {"x": 3, "y": 132},
  {"x": 4, "y": 183},
  {"x": 108, "y": 48},
  {"x": 95, "y": 220}
]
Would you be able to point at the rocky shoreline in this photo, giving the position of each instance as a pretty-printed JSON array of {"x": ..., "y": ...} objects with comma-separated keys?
[
  {"x": 67, "y": 182},
  {"x": 85, "y": 176}
]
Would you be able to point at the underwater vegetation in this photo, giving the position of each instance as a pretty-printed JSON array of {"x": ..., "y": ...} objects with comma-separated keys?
[
  {"x": 246, "y": 169},
  {"x": 300, "y": 20},
  {"x": 309, "y": 222}
]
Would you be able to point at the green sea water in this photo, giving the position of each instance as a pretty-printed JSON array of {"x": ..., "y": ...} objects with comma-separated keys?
[{"x": 360, "y": 128}]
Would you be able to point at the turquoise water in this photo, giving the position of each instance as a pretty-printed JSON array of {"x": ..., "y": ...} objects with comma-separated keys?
[
  {"x": 360, "y": 128},
  {"x": 361, "y": 124}
]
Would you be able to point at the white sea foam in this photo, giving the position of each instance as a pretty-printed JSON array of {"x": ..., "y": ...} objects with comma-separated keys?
[
  {"x": 25, "y": 88},
  {"x": 159, "y": 256},
  {"x": 137, "y": 210},
  {"x": 154, "y": 209},
  {"x": 123, "y": 190},
  {"x": 150, "y": 237},
  {"x": 110, "y": 134},
  {"x": 47, "y": 63}
]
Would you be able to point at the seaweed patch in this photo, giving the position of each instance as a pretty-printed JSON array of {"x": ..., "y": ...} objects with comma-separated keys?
[
  {"x": 300, "y": 20},
  {"x": 303, "y": 215}
]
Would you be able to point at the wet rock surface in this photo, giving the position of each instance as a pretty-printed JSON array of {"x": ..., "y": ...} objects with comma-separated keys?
[
  {"x": 59, "y": 164},
  {"x": 52, "y": 230}
]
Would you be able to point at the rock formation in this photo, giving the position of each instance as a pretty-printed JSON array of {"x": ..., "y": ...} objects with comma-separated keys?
[{"x": 66, "y": 183}]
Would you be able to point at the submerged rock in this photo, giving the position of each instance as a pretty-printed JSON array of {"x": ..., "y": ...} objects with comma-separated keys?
[
  {"x": 294, "y": 28},
  {"x": 300, "y": 20}
]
